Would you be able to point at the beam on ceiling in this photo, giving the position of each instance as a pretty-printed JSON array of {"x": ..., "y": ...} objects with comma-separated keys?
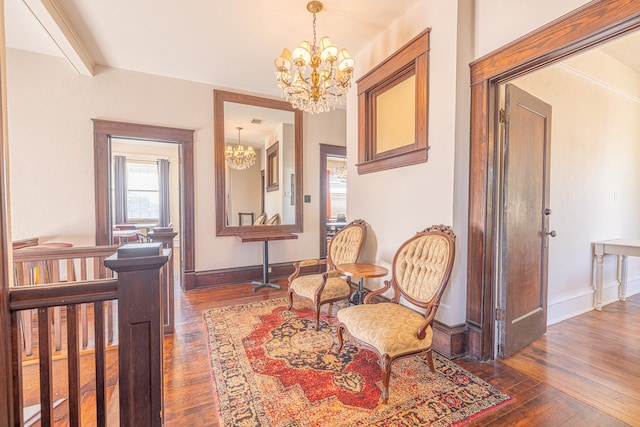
[{"x": 56, "y": 24}]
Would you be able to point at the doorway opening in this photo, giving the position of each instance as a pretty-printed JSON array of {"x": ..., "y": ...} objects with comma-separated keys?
[
  {"x": 333, "y": 193},
  {"x": 487, "y": 74},
  {"x": 180, "y": 140}
]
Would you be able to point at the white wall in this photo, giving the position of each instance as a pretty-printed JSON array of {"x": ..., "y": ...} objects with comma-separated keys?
[
  {"x": 499, "y": 22},
  {"x": 399, "y": 202},
  {"x": 50, "y": 108},
  {"x": 595, "y": 181}
]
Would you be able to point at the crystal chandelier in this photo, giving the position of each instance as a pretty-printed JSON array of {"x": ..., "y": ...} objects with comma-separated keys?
[
  {"x": 329, "y": 76},
  {"x": 239, "y": 158}
]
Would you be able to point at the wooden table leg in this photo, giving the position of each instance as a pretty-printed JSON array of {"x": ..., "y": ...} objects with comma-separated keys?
[
  {"x": 598, "y": 251},
  {"x": 624, "y": 275}
]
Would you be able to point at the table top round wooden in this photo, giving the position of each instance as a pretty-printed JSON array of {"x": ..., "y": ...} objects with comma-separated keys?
[{"x": 362, "y": 269}]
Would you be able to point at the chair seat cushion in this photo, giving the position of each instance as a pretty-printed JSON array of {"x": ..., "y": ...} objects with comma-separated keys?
[
  {"x": 388, "y": 327},
  {"x": 306, "y": 286}
]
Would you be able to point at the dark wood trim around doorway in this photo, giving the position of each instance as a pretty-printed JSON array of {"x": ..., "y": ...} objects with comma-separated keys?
[
  {"x": 103, "y": 130},
  {"x": 595, "y": 23}
]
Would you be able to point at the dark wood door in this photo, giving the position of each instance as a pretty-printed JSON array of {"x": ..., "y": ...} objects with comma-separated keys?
[{"x": 525, "y": 220}]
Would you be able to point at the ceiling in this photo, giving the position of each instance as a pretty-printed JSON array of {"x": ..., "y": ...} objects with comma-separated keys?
[
  {"x": 225, "y": 43},
  {"x": 228, "y": 44}
]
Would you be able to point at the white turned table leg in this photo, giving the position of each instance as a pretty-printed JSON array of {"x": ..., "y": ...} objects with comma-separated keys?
[{"x": 598, "y": 251}]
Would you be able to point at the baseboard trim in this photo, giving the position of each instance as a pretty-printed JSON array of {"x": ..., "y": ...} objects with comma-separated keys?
[
  {"x": 238, "y": 275},
  {"x": 450, "y": 341}
]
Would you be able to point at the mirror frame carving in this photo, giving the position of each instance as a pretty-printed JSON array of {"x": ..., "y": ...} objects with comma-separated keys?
[
  {"x": 410, "y": 60},
  {"x": 219, "y": 98}
]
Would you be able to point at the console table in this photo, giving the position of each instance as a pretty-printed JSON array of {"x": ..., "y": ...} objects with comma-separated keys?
[
  {"x": 265, "y": 237},
  {"x": 623, "y": 248}
]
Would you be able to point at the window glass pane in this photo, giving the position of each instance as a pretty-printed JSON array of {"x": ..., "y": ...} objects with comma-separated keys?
[
  {"x": 142, "y": 204},
  {"x": 142, "y": 176},
  {"x": 143, "y": 198}
]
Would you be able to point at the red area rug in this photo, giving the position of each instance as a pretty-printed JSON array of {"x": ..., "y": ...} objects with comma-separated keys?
[{"x": 271, "y": 368}]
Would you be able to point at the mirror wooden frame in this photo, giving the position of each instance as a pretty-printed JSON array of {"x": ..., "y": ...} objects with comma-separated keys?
[
  {"x": 219, "y": 98},
  {"x": 410, "y": 60}
]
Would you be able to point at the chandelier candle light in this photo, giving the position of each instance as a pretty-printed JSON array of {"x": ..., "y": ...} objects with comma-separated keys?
[
  {"x": 330, "y": 72},
  {"x": 239, "y": 158}
]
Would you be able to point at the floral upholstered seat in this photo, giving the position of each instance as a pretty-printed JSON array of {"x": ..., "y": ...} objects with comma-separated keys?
[
  {"x": 329, "y": 286},
  {"x": 421, "y": 270}
]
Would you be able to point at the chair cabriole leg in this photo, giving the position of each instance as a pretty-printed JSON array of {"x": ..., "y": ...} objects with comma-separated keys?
[
  {"x": 290, "y": 295},
  {"x": 317, "y": 317},
  {"x": 340, "y": 331},
  {"x": 385, "y": 364},
  {"x": 430, "y": 361}
]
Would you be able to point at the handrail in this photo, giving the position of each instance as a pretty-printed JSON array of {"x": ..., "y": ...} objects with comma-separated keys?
[
  {"x": 37, "y": 253},
  {"x": 58, "y": 294}
]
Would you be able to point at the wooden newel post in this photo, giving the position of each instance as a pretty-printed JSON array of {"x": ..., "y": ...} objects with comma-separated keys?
[
  {"x": 165, "y": 235},
  {"x": 140, "y": 334}
]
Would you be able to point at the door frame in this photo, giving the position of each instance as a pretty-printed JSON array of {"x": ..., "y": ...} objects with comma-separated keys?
[
  {"x": 590, "y": 25},
  {"x": 103, "y": 131},
  {"x": 326, "y": 150}
]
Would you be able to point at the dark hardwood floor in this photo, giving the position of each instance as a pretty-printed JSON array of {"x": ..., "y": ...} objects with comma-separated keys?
[{"x": 583, "y": 372}]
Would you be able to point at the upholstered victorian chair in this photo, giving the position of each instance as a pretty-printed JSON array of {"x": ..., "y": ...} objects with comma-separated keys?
[
  {"x": 329, "y": 286},
  {"x": 274, "y": 220},
  {"x": 421, "y": 270}
]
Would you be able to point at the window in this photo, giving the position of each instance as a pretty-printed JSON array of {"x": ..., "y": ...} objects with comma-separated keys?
[{"x": 143, "y": 195}]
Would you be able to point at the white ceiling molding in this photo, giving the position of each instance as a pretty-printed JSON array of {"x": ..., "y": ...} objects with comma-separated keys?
[
  {"x": 598, "y": 82},
  {"x": 56, "y": 24}
]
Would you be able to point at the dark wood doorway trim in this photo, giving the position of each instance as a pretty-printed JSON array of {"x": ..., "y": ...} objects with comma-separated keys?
[
  {"x": 595, "y": 23},
  {"x": 6, "y": 383},
  {"x": 326, "y": 150},
  {"x": 103, "y": 131}
]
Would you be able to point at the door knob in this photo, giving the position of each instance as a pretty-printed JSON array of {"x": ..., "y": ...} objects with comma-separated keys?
[
  {"x": 547, "y": 211},
  {"x": 551, "y": 233}
]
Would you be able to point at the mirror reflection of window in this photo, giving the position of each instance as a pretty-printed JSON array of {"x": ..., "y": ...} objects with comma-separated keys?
[{"x": 337, "y": 215}]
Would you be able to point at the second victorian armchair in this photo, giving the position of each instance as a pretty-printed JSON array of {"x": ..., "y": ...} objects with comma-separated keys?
[{"x": 329, "y": 286}]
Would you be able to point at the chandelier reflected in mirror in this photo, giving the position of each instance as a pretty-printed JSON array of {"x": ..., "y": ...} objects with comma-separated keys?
[
  {"x": 314, "y": 78},
  {"x": 239, "y": 158},
  {"x": 340, "y": 172}
]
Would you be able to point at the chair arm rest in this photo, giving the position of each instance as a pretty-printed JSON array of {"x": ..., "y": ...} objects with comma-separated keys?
[
  {"x": 368, "y": 299},
  {"x": 429, "y": 316},
  {"x": 298, "y": 265}
]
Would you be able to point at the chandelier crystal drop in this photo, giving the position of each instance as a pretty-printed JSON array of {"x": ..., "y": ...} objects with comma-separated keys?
[
  {"x": 238, "y": 157},
  {"x": 314, "y": 78}
]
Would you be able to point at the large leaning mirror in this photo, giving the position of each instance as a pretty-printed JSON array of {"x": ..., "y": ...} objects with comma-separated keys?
[{"x": 258, "y": 164}]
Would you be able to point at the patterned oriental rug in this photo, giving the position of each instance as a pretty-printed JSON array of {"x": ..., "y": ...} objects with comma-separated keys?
[{"x": 271, "y": 368}]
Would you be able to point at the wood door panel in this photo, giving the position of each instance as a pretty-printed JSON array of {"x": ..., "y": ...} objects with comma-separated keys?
[{"x": 523, "y": 284}]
